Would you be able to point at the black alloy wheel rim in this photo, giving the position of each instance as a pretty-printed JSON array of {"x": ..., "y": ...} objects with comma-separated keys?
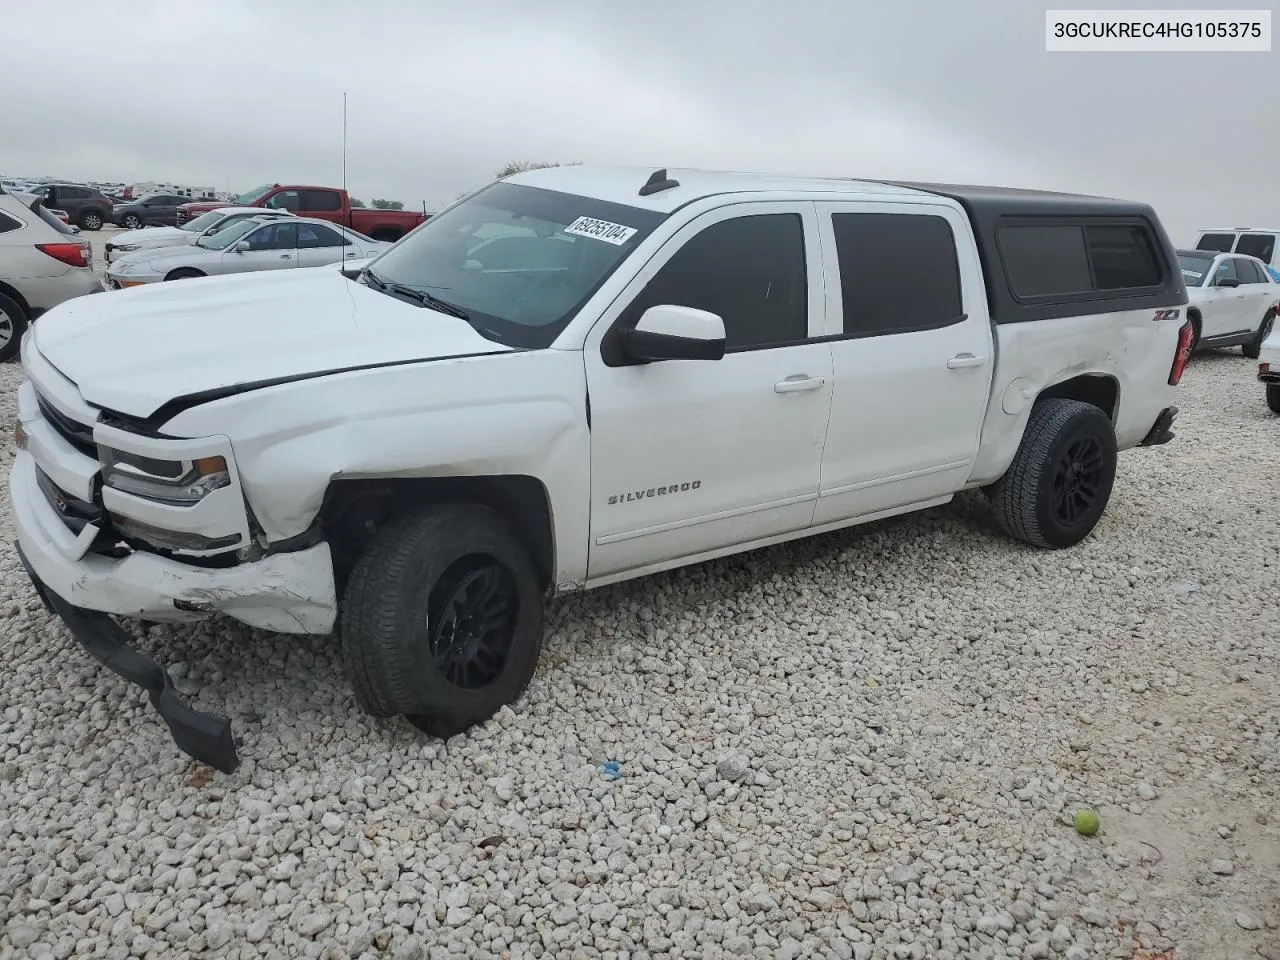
[
  {"x": 1077, "y": 480},
  {"x": 471, "y": 617}
]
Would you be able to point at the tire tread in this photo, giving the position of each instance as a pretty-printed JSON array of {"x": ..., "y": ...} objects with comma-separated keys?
[{"x": 1015, "y": 496}]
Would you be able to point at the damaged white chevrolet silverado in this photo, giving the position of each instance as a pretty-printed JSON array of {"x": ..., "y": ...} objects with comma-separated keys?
[{"x": 568, "y": 378}]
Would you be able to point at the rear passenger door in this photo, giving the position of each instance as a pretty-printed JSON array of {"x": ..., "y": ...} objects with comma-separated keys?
[
  {"x": 912, "y": 355},
  {"x": 319, "y": 245},
  {"x": 1259, "y": 291}
]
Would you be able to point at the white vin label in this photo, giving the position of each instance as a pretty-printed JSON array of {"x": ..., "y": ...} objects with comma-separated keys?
[{"x": 614, "y": 233}]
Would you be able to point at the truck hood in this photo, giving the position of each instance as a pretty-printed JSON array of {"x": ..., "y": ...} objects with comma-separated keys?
[{"x": 132, "y": 351}]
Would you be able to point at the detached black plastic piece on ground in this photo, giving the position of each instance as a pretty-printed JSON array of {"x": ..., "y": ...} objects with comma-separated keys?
[
  {"x": 204, "y": 737},
  {"x": 1160, "y": 432}
]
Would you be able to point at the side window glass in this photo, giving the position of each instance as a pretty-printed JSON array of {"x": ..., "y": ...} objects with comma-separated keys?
[
  {"x": 311, "y": 236},
  {"x": 286, "y": 200},
  {"x": 1124, "y": 257},
  {"x": 321, "y": 201},
  {"x": 1226, "y": 270},
  {"x": 274, "y": 236},
  {"x": 882, "y": 258},
  {"x": 7, "y": 223},
  {"x": 750, "y": 271},
  {"x": 1247, "y": 271},
  {"x": 1217, "y": 242},
  {"x": 1260, "y": 245},
  {"x": 1045, "y": 261}
]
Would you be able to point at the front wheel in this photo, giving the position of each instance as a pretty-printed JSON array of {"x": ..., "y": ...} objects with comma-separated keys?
[
  {"x": 442, "y": 618},
  {"x": 91, "y": 220},
  {"x": 1273, "y": 397},
  {"x": 1054, "y": 492},
  {"x": 131, "y": 221},
  {"x": 1253, "y": 349}
]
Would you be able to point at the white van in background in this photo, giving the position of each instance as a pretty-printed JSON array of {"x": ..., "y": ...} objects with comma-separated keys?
[{"x": 1260, "y": 242}]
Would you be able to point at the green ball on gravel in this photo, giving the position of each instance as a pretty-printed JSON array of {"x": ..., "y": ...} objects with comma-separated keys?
[{"x": 1087, "y": 823}]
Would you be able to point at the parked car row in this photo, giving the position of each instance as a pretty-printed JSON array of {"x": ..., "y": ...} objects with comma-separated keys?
[
  {"x": 189, "y": 232},
  {"x": 244, "y": 245},
  {"x": 322, "y": 203}
]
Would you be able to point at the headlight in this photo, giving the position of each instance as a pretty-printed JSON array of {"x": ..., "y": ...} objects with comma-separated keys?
[
  {"x": 127, "y": 247},
  {"x": 177, "y": 482}
]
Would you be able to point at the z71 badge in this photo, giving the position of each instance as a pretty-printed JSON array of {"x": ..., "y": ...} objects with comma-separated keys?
[{"x": 670, "y": 488}]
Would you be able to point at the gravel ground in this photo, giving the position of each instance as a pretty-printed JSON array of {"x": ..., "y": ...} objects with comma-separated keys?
[{"x": 865, "y": 745}]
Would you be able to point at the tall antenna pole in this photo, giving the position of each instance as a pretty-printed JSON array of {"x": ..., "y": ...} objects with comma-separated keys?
[{"x": 344, "y": 141}]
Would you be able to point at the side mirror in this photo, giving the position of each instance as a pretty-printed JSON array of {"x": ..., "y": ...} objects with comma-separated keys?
[
  {"x": 242, "y": 247},
  {"x": 668, "y": 332},
  {"x": 1227, "y": 282}
]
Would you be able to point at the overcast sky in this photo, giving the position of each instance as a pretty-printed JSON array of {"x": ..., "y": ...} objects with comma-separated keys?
[{"x": 232, "y": 93}]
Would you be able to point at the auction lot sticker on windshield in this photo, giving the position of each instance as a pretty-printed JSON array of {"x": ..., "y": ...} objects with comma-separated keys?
[{"x": 614, "y": 233}]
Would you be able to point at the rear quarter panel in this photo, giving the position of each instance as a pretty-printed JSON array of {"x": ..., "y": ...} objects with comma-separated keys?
[{"x": 1131, "y": 347}]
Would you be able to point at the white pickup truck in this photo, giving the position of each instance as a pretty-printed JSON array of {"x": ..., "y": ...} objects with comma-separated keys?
[{"x": 572, "y": 377}]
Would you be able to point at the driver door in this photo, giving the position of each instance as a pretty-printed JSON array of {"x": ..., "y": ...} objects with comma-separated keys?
[
  {"x": 1226, "y": 306},
  {"x": 690, "y": 458},
  {"x": 272, "y": 246}
]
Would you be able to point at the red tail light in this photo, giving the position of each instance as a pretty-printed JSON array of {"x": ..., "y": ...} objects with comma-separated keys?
[
  {"x": 1183, "y": 355},
  {"x": 73, "y": 254}
]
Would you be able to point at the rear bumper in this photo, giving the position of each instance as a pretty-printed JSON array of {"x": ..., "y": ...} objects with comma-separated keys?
[
  {"x": 1160, "y": 432},
  {"x": 202, "y": 736}
]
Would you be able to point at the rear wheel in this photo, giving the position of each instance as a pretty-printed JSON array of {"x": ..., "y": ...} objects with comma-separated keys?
[
  {"x": 131, "y": 221},
  {"x": 13, "y": 323},
  {"x": 1060, "y": 480},
  {"x": 90, "y": 220},
  {"x": 442, "y": 618},
  {"x": 1253, "y": 349},
  {"x": 1273, "y": 397}
]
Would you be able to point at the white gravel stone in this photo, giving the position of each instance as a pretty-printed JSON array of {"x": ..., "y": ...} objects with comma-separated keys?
[
  {"x": 875, "y": 737},
  {"x": 1224, "y": 868}
]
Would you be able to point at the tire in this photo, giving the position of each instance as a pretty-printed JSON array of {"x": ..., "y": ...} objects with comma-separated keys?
[
  {"x": 13, "y": 324},
  {"x": 1067, "y": 442},
  {"x": 90, "y": 220},
  {"x": 398, "y": 607},
  {"x": 1253, "y": 349},
  {"x": 131, "y": 221},
  {"x": 1273, "y": 397},
  {"x": 184, "y": 273}
]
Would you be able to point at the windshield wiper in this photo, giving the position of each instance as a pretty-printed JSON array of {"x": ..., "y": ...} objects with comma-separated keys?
[{"x": 420, "y": 297}]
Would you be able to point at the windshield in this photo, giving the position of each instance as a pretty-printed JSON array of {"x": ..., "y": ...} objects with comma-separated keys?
[
  {"x": 253, "y": 196},
  {"x": 202, "y": 222},
  {"x": 221, "y": 239},
  {"x": 1194, "y": 268},
  {"x": 519, "y": 261}
]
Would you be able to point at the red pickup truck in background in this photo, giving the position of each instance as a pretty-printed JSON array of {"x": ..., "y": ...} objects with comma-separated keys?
[{"x": 325, "y": 203}]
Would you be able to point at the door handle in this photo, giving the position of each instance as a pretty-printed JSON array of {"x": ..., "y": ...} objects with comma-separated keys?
[
  {"x": 286, "y": 256},
  {"x": 965, "y": 360},
  {"x": 798, "y": 382}
]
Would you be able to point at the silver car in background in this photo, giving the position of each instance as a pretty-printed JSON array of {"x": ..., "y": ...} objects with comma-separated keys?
[
  {"x": 43, "y": 262},
  {"x": 151, "y": 238}
]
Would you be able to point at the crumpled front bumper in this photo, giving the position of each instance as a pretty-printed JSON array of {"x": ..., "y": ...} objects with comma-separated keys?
[{"x": 202, "y": 736}]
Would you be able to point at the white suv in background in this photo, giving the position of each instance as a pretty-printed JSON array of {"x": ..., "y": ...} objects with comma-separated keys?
[
  {"x": 42, "y": 263},
  {"x": 1232, "y": 300},
  {"x": 1260, "y": 242}
]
